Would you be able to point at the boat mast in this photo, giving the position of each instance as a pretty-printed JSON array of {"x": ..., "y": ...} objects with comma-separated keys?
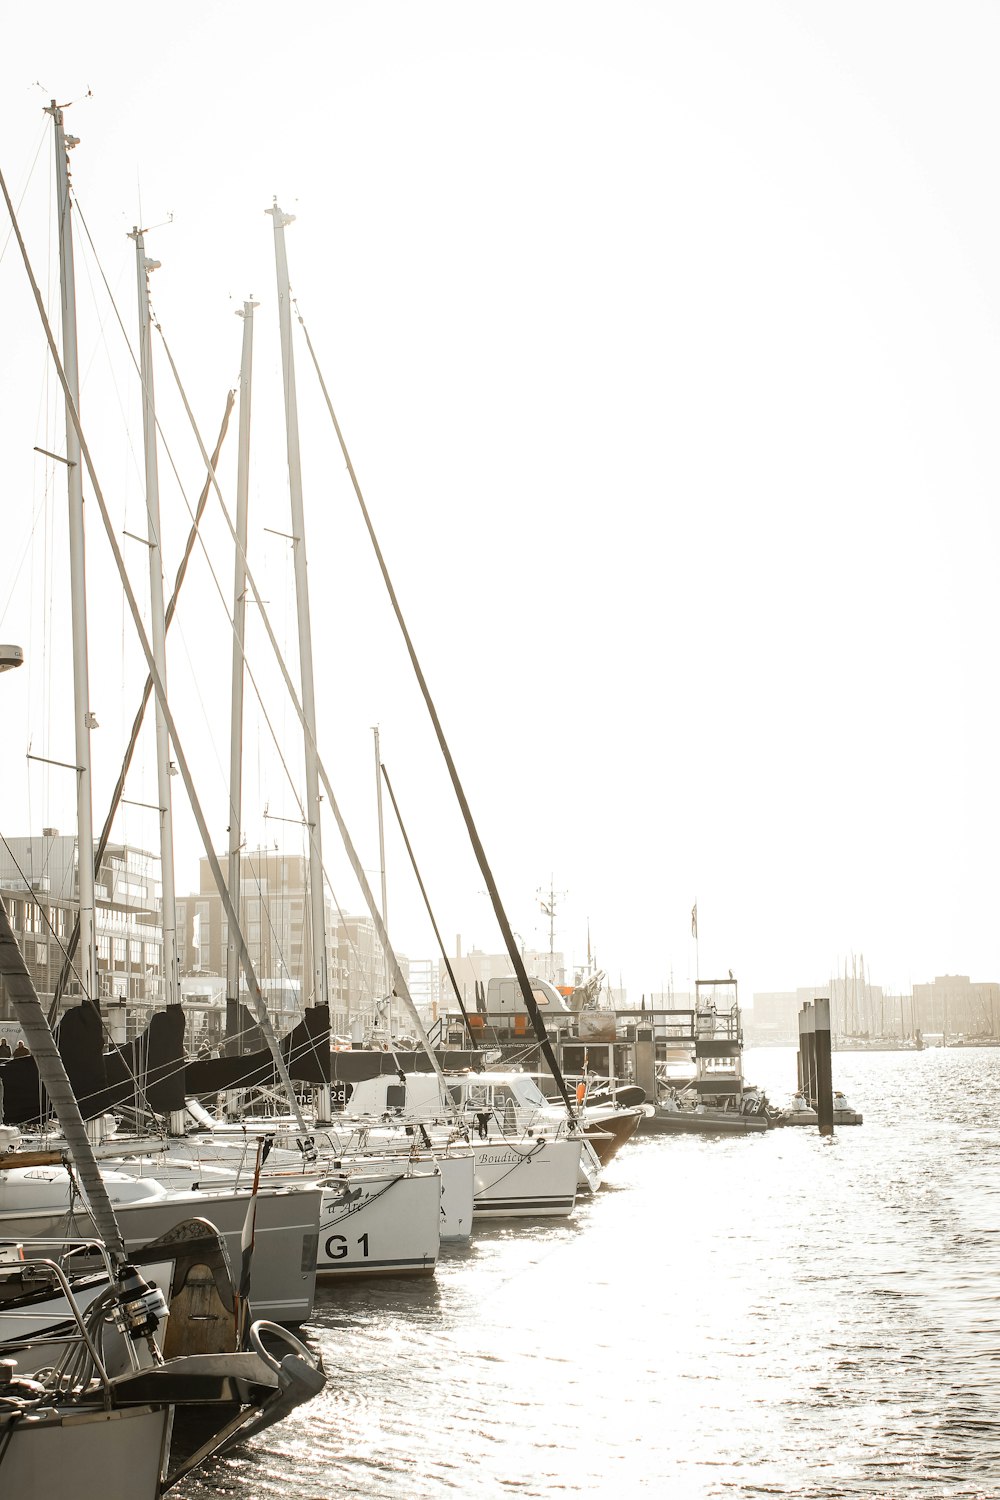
[
  {"x": 84, "y": 720},
  {"x": 208, "y": 843},
  {"x": 239, "y": 635},
  {"x": 381, "y": 847},
  {"x": 157, "y": 625},
  {"x": 320, "y": 988}
]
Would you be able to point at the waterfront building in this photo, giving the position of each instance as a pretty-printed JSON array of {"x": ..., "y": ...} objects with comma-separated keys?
[
  {"x": 954, "y": 1006},
  {"x": 39, "y": 883},
  {"x": 275, "y": 917}
]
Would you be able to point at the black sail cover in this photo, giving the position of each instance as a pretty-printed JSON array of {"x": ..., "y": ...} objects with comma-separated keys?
[{"x": 153, "y": 1071}]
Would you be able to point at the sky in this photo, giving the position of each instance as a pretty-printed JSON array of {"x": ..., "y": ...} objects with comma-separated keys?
[{"x": 664, "y": 341}]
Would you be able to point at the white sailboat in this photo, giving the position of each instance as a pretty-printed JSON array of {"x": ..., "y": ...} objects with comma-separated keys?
[
  {"x": 110, "y": 1433},
  {"x": 528, "y": 1170}
]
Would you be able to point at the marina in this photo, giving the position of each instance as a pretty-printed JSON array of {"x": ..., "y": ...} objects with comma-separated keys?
[{"x": 614, "y": 393}]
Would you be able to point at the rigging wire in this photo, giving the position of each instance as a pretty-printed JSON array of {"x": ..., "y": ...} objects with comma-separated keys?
[
  {"x": 208, "y": 559},
  {"x": 182, "y": 761},
  {"x": 27, "y": 183},
  {"x": 400, "y": 984},
  {"x": 498, "y": 908}
]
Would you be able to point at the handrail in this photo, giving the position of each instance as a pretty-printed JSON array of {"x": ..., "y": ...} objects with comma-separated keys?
[{"x": 74, "y": 1309}]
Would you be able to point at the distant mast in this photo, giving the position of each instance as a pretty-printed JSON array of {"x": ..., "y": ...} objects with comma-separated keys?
[
  {"x": 381, "y": 848},
  {"x": 157, "y": 626},
  {"x": 239, "y": 636},
  {"x": 84, "y": 720}
]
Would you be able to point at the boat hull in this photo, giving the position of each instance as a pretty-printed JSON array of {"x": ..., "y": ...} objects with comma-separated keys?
[
  {"x": 526, "y": 1177},
  {"x": 609, "y": 1133},
  {"x": 711, "y": 1122},
  {"x": 385, "y": 1223},
  {"x": 286, "y": 1234},
  {"x": 90, "y": 1454}
]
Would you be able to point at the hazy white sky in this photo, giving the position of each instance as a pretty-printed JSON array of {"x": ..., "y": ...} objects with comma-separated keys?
[{"x": 664, "y": 338}]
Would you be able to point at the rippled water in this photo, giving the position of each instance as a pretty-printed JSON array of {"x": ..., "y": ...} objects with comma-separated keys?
[{"x": 775, "y": 1315}]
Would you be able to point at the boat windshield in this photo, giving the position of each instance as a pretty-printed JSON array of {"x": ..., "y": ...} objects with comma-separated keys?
[{"x": 528, "y": 1092}]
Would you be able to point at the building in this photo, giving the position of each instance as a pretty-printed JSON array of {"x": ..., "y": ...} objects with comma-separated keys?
[
  {"x": 954, "y": 1006},
  {"x": 39, "y": 883},
  {"x": 275, "y": 918}
]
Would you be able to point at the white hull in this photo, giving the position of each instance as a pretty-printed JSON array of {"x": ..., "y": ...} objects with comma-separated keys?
[
  {"x": 384, "y": 1222},
  {"x": 526, "y": 1177},
  {"x": 283, "y": 1272},
  {"x": 458, "y": 1191},
  {"x": 89, "y": 1455},
  {"x": 381, "y": 1150}
]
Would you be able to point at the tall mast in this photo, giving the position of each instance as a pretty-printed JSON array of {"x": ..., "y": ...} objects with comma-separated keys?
[
  {"x": 83, "y": 719},
  {"x": 319, "y": 989},
  {"x": 133, "y": 605},
  {"x": 381, "y": 826},
  {"x": 239, "y": 633},
  {"x": 171, "y": 968},
  {"x": 381, "y": 851}
]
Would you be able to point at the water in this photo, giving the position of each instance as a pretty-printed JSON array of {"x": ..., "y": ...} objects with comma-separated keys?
[{"x": 771, "y": 1316}]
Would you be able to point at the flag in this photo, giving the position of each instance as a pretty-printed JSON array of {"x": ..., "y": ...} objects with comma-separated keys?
[
  {"x": 694, "y": 920},
  {"x": 247, "y": 1239}
]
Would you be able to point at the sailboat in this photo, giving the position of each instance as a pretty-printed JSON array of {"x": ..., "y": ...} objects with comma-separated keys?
[
  {"x": 111, "y": 1431},
  {"x": 35, "y": 1202}
]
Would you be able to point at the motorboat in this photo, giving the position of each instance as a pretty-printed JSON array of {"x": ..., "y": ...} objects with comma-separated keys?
[
  {"x": 716, "y": 1100},
  {"x": 609, "y": 1115},
  {"x": 672, "y": 1114}
]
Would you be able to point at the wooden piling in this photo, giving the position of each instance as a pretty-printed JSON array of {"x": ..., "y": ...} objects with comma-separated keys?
[
  {"x": 807, "y": 1054},
  {"x": 824, "y": 1066},
  {"x": 645, "y": 1062}
]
